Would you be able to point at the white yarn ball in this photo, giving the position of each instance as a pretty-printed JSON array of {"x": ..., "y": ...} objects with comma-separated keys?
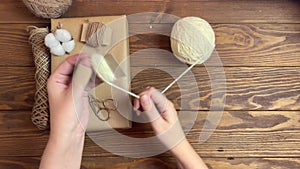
[{"x": 192, "y": 40}]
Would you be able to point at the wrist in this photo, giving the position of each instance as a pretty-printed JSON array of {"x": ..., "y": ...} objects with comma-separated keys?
[
  {"x": 65, "y": 140},
  {"x": 67, "y": 132},
  {"x": 187, "y": 157},
  {"x": 63, "y": 151},
  {"x": 183, "y": 146}
]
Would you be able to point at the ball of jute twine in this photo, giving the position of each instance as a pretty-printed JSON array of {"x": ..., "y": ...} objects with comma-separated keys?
[
  {"x": 41, "y": 55},
  {"x": 48, "y": 8}
]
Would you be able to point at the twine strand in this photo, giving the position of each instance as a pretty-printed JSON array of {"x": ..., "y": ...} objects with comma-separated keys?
[
  {"x": 41, "y": 56},
  {"x": 48, "y": 8}
]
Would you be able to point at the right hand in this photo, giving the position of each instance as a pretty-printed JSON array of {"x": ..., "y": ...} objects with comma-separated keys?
[
  {"x": 164, "y": 120},
  {"x": 162, "y": 115}
]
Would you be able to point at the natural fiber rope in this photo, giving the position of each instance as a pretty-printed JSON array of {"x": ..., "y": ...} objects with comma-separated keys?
[
  {"x": 95, "y": 33},
  {"x": 48, "y": 8},
  {"x": 41, "y": 55}
]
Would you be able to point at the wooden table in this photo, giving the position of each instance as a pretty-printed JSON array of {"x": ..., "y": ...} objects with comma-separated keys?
[{"x": 258, "y": 42}]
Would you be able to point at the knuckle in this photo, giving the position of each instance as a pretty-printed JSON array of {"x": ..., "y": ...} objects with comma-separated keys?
[{"x": 151, "y": 89}]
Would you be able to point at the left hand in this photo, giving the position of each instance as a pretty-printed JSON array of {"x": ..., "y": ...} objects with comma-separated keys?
[{"x": 68, "y": 89}]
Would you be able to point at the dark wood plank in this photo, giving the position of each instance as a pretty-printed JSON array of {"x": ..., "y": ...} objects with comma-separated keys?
[
  {"x": 274, "y": 11},
  {"x": 239, "y": 134},
  {"x": 15, "y": 123},
  {"x": 237, "y": 45},
  {"x": 17, "y": 88},
  {"x": 252, "y": 163},
  {"x": 247, "y": 35},
  {"x": 15, "y": 49},
  {"x": 248, "y": 88},
  {"x": 16, "y": 12},
  {"x": 157, "y": 163}
]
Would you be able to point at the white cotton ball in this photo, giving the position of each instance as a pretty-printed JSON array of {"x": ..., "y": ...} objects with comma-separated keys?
[
  {"x": 63, "y": 35},
  {"x": 192, "y": 40},
  {"x": 50, "y": 40},
  {"x": 57, "y": 50},
  {"x": 68, "y": 46}
]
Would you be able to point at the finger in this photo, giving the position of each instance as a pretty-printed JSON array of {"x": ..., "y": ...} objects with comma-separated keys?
[
  {"x": 67, "y": 66},
  {"x": 81, "y": 77},
  {"x": 145, "y": 102},
  {"x": 150, "y": 109},
  {"x": 62, "y": 75},
  {"x": 63, "y": 79},
  {"x": 159, "y": 99},
  {"x": 94, "y": 81},
  {"x": 85, "y": 60},
  {"x": 163, "y": 105},
  {"x": 146, "y": 91},
  {"x": 136, "y": 104}
]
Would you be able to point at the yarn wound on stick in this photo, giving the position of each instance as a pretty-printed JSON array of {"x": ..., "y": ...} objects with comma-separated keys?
[
  {"x": 48, "y": 8},
  {"x": 41, "y": 56}
]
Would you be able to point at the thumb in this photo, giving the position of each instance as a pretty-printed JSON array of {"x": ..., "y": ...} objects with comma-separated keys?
[
  {"x": 150, "y": 109},
  {"x": 145, "y": 103},
  {"x": 81, "y": 78}
]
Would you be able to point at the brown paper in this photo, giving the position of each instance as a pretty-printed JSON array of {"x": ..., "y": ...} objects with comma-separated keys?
[{"x": 120, "y": 52}]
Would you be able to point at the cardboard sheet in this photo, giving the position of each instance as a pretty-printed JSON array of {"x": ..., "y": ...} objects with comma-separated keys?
[{"x": 118, "y": 49}]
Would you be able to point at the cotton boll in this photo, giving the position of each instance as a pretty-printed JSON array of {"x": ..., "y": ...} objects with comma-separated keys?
[
  {"x": 192, "y": 40},
  {"x": 68, "y": 46},
  {"x": 57, "y": 50},
  {"x": 50, "y": 40},
  {"x": 63, "y": 35}
]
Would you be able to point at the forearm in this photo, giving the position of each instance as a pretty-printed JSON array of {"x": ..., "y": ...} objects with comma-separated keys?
[
  {"x": 187, "y": 157},
  {"x": 63, "y": 152}
]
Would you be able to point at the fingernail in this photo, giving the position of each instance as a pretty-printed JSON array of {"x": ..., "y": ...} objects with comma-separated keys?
[{"x": 145, "y": 100}]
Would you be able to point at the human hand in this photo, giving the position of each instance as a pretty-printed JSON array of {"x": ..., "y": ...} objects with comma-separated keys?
[
  {"x": 68, "y": 89},
  {"x": 162, "y": 116},
  {"x": 164, "y": 121}
]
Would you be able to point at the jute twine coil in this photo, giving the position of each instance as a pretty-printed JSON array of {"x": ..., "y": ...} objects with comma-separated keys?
[
  {"x": 41, "y": 55},
  {"x": 48, "y": 8},
  {"x": 94, "y": 34}
]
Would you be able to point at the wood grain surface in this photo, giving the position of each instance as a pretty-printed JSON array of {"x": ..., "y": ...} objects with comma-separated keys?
[
  {"x": 158, "y": 163},
  {"x": 239, "y": 134},
  {"x": 248, "y": 88},
  {"x": 265, "y": 11},
  {"x": 236, "y": 44},
  {"x": 258, "y": 43}
]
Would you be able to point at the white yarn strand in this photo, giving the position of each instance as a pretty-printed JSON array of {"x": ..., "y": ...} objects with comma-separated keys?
[{"x": 179, "y": 77}]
